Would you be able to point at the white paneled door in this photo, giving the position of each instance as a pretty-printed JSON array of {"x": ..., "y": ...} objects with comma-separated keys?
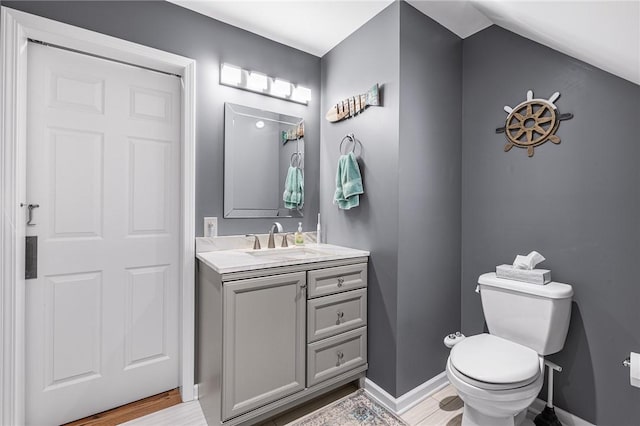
[{"x": 103, "y": 164}]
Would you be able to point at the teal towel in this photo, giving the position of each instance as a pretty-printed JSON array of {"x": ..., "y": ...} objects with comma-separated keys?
[
  {"x": 348, "y": 182},
  {"x": 293, "y": 195}
]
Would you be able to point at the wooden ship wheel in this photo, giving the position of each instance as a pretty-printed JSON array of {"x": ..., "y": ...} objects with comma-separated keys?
[{"x": 532, "y": 122}]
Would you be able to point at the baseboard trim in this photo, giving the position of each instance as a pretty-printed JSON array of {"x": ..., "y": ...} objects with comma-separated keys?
[
  {"x": 408, "y": 400},
  {"x": 565, "y": 418},
  {"x": 416, "y": 395}
]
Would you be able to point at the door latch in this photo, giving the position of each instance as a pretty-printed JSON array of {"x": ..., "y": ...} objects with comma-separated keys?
[{"x": 30, "y": 207}]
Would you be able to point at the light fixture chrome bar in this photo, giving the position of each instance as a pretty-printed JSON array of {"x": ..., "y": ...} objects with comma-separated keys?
[{"x": 257, "y": 82}]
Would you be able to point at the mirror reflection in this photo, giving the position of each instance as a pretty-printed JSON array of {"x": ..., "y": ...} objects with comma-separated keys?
[{"x": 263, "y": 163}]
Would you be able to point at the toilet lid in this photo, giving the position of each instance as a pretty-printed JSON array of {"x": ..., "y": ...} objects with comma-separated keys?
[{"x": 492, "y": 359}]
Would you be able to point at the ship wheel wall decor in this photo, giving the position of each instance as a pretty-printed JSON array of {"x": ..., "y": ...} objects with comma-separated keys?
[{"x": 532, "y": 122}]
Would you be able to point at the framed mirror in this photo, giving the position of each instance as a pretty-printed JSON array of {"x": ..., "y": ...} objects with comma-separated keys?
[{"x": 263, "y": 163}]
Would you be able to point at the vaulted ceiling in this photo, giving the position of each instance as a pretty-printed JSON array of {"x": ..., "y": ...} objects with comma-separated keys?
[{"x": 604, "y": 33}]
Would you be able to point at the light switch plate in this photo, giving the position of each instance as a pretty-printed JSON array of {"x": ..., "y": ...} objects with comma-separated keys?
[{"x": 210, "y": 227}]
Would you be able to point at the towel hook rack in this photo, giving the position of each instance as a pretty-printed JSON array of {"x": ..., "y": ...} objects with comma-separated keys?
[{"x": 350, "y": 137}]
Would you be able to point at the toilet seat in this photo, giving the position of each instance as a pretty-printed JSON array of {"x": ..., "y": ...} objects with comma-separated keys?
[
  {"x": 493, "y": 363},
  {"x": 491, "y": 386}
]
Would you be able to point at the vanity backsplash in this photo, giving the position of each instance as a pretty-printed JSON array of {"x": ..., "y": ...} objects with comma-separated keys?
[{"x": 234, "y": 242}]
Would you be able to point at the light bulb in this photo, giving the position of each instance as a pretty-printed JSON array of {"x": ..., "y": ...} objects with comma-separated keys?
[
  {"x": 257, "y": 81},
  {"x": 231, "y": 75},
  {"x": 301, "y": 94},
  {"x": 281, "y": 88}
]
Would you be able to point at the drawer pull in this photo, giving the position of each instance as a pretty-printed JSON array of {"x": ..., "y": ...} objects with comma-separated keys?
[
  {"x": 303, "y": 286},
  {"x": 340, "y": 281},
  {"x": 340, "y": 356},
  {"x": 340, "y": 316}
]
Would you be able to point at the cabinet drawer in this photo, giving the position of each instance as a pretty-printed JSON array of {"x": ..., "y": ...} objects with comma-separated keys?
[
  {"x": 335, "y": 280},
  {"x": 335, "y": 355},
  {"x": 335, "y": 314}
]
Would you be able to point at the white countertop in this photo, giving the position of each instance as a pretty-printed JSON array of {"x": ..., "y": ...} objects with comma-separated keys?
[{"x": 240, "y": 260}]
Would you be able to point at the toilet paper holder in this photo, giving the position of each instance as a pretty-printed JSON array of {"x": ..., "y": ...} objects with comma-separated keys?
[{"x": 627, "y": 362}]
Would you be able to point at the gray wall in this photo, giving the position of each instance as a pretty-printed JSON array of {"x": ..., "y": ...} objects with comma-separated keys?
[
  {"x": 409, "y": 217},
  {"x": 577, "y": 203},
  {"x": 429, "y": 196},
  {"x": 368, "y": 56},
  {"x": 177, "y": 30}
]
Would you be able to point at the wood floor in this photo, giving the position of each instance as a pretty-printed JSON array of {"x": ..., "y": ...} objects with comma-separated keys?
[
  {"x": 444, "y": 408},
  {"x": 133, "y": 410}
]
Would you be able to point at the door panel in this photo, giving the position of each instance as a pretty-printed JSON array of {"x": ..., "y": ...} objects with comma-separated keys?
[
  {"x": 149, "y": 104},
  {"x": 71, "y": 90},
  {"x": 103, "y": 164},
  {"x": 146, "y": 329},
  {"x": 76, "y": 183},
  {"x": 77, "y": 328},
  {"x": 148, "y": 186}
]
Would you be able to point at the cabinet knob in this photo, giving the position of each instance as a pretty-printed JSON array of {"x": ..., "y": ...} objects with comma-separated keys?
[
  {"x": 340, "y": 281},
  {"x": 303, "y": 285},
  {"x": 340, "y": 316},
  {"x": 340, "y": 355}
]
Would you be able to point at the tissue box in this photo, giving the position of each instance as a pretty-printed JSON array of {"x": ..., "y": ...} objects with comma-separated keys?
[{"x": 533, "y": 276}]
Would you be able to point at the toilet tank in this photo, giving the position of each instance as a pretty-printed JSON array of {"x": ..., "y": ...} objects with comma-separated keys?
[{"x": 536, "y": 316}]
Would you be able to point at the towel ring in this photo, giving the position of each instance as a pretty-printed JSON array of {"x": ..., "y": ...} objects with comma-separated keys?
[
  {"x": 296, "y": 159},
  {"x": 351, "y": 137}
]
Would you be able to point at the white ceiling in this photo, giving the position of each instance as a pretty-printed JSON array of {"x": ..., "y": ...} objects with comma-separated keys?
[
  {"x": 459, "y": 16},
  {"x": 315, "y": 26},
  {"x": 603, "y": 33}
]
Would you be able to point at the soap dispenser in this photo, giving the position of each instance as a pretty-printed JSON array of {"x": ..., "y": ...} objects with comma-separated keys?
[{"x": 298, "y": 237}]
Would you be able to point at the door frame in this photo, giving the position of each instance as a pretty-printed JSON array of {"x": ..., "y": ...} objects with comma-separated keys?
[{"x": 16, "y": 28}]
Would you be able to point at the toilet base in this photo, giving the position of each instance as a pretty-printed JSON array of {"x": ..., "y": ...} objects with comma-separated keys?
[{"x": 473, "y": 417}]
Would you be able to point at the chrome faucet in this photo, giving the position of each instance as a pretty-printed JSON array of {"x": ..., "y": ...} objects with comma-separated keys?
[{"x": 278, "y": 228}]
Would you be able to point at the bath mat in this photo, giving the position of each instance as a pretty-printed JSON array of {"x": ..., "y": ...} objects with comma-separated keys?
[{"x": 352, "y": 410}]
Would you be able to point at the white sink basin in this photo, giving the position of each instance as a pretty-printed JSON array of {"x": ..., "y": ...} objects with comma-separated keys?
[{"x": 289, "y": 253}]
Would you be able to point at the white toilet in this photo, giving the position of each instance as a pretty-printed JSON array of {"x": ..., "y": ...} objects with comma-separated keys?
[{"x": 498, "y": 375}]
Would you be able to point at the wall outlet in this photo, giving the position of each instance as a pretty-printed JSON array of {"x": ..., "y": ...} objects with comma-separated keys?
[{"x": 210, "y": 227}]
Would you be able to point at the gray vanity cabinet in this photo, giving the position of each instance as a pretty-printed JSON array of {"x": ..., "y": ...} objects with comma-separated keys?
[
  {"x": 270, "y": 339},
  {"x": 263, "y": 341}
]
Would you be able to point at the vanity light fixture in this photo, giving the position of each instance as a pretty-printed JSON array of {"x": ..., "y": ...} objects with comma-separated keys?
[{"x": 253, "y": 81}]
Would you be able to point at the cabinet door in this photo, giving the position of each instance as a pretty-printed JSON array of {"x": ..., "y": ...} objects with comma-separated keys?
[{"x": 263, "y": 341}]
